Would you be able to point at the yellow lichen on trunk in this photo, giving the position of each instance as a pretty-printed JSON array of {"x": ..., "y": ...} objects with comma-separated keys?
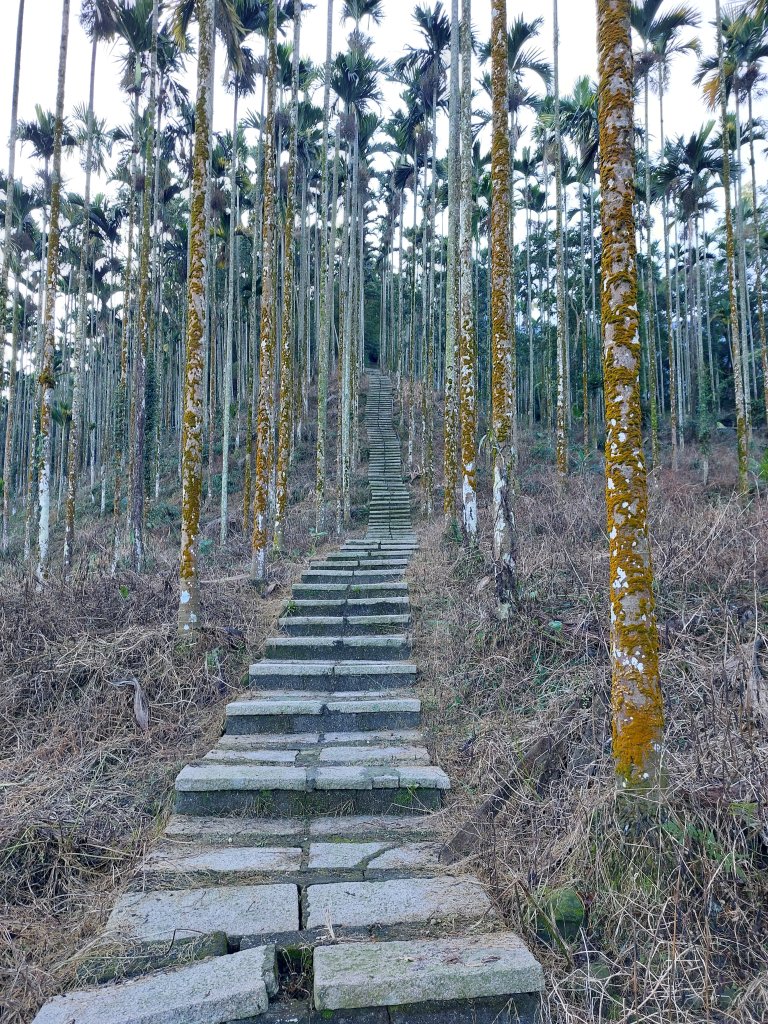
[
  {"x": 192, "y": 423},
  {"x": 636, "y": 692},
  {"x": 501, "y": 305},
  {"x": 267, "y": 327}
]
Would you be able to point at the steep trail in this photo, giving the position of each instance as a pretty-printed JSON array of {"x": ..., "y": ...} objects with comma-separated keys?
[{"x": 302, "y": 860}]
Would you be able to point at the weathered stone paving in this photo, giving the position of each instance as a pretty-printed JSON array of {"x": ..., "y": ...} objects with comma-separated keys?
[{"x": 302, "y": 861}]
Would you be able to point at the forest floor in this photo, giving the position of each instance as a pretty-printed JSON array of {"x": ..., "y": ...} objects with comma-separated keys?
[
  {"x": 652, "y": 912},
  {"x": 640, "y": 913}
]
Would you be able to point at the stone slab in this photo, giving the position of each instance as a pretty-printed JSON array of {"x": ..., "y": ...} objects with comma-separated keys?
[
  {"x": 402, "y": 901},
  {"x": 352, "y": 975},
  {"x": 220, "y": 777},
  {"x": 225, "y": 988},
  {"x": 228, "y": 860},
  {"x": 237, "y": 910},
  {"x": 374, "y": 755},
  {"x": 244, "y": 831}
]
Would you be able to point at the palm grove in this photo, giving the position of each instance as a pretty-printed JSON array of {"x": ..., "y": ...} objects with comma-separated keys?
[{"x": 555, "y": 268}]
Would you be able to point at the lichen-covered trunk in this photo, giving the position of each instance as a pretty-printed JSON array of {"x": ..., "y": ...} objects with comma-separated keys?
[
  {"x": 468, "y": 337},
  {"x": 73, "y": 454},
  {"x": 226, "y": 404},
  {"x": 637, "y": 709},
  {"x": 326, "y": 271},
  {"x": 738, "y": 375},
  {"x": 47, "y": 373},
  {"x": 285, "y": 412},
  {"x": 561, "y": 429},
  {"x": 192, "y": 421},
  {"x": 266, "y": 328},
  {"x": 501, "y": 310}
]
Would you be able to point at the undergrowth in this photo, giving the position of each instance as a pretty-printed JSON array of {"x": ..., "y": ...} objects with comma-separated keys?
[{"x": 647, "y": 912}]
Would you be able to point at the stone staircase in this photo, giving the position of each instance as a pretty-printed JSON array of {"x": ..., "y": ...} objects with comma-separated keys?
[{"x": 299, "y": 879}]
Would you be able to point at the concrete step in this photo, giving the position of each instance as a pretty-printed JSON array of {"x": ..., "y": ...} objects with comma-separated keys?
[
  {"x": 392, "y": 588},
  {"x": 313, "y": 863},
  {"x": 343, "y": 625},
  {"x": 339, "y": 676},
  {"x": 297, "y": 712},
  {"x": 244, "y": 831},
  {"x": 397, "y": 908},
  {"x": 254, "y": 752},
  {"x": 310, "y": 740},
  {"x": 395, "y": 562},
  {"x": 352, "y": 577},
  {"x": 449, "y": 973},
  {"x": 215, "y": 991},
  {"x": 344, "y": 648},
  {"x": 355, "y": 606},
  {"x": 217, "y": 789}
]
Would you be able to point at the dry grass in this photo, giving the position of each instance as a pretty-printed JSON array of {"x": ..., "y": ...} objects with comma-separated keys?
[
  {"x": 675, "y": 895},
  {"x": 83, "y": 790}
]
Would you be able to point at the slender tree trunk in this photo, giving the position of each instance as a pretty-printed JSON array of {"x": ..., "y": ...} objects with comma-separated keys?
[
  {"x": 502, "y": 410},
  {"x": 638, "y": 719},
  {"x": 562, "y": 350},
  {"x": 267, "y": 326},
  {"x": 47, "y": 378},
  {"x": 227, "y": 399},
  {"x": 326, "y": 290},
  {"x": 738, "y": 376},
  {"x": 192, "y": 429},
  {"x": 468, "y": 343},
  {"x": 286, "y": 349}
]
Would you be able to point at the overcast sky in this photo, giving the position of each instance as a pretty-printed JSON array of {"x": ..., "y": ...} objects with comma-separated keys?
[{"x": 684, "y": 110}]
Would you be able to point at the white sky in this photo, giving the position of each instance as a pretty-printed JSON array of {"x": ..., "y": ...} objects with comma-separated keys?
[{"x": 685, "y": 110}]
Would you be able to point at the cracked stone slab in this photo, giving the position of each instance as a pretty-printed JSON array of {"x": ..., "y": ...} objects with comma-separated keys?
[
  {"x": 402, "y": 901},
  {"x": 238, "y": 830},
  {"x": 218, "y": 777},
  {"x": 225, "y": 988},
  {"x": 224, "y": 860},
  {"x": 340, "y": 777},
  {"x": 374, "y": 856},
  {"x": 237, "y": 910},
  {"x": 371, "y": 826},
  {"x": 357, "y": 975}
]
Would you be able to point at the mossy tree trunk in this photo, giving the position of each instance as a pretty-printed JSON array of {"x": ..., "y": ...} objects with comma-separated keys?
[
  {"x": 286, "y": 346},
  {"x": 194, "y": 385},
  {"x": 502, "y": 351},
  {"x": 47, "y": 373},
  {"x": 468, "y": 337},
  {"x": 636, "y": 691},
  {"x": 267, "y": 326}
]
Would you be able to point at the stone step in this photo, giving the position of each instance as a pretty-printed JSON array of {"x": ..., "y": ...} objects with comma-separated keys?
[
  {"x": 303, "y": 755},
  {"x": 215, "y": 991},
  {"x": 343, "y": 625},
  {"x": 344, "y": 648},
  {"x": 244, "y": 831},
  {"x": 354, "y": 556},
  {"x": 339, "y": 676},
  {"x": 338, "y": 860},
  {"x": 298, "y": 712},
  {"x": 352, "y": 607},
  {"x": 456, "y": 970},
  {"x": 216, "y": 789},
  {"x": 360, "y": 565},
  {"x": 348, "y": 590},
  {"x": 254, "y": 914},
  {"x": 352, "y": 577},
  {"x": 387, "y": 908},
  {"x": 311, "y": 740}
]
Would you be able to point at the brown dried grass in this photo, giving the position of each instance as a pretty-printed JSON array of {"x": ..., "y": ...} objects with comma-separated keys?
[{"x": 675, "y": 894}]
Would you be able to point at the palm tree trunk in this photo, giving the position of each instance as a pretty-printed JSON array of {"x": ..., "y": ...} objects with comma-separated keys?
[
  {"x": 267, "y": 326},
  {"x": 738, "y": 376},
  {"x": 227, "y": 400},
  {"x": 47, "y": 378},
  {"x": 562, "y": 352},
  {"x": 192, "y": 430},
  {"x": 286, "y": 354},
  {"x": 468, "y": 337},
  {"x": 502, "y": 410},
  {"x": 758, "y": 257},
  {"x": 638, "y": 718}
]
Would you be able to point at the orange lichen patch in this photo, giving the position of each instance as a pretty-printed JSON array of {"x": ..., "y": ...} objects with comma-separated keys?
[{"x": 636, "y": 692}]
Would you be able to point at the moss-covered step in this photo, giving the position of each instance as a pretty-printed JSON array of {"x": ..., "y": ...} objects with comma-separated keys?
[
  {"x": 338, "y": 676},
  {"x": 346, "y": 625},
  {"x": 298, "y": 712},
  {"x": 216, "y": 789},
  {"x": 392, "y": 647}
]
